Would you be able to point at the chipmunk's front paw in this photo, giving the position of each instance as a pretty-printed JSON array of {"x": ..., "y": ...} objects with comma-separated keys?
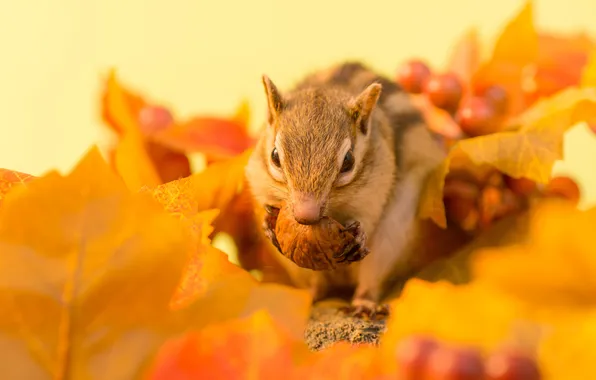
[
  {"x": 269, "y": 224},
  {"x": 356, "y": 249},
  {"x": 365, "y": 308}
]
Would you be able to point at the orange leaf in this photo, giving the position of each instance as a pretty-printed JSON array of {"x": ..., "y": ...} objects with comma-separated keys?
[
  {"x": 561, "y": 61},
  {"x": 216, "y": 138},
  {"x": 11, "y": 178},
  {"x": 465, "y": 56},
  {"x": 131, "y": 159},
  {"x": 349, "y": 362},
  {"x": 199, "y": 199},
  {"x": 251, "y": 348},
  {"x": 530, "y": 151},
  {"x": 87, "y": 271},
  {"x": 133, "y": 163},
  {"x": 514, "y": 53},
  {"x": 120, "y": 107}
]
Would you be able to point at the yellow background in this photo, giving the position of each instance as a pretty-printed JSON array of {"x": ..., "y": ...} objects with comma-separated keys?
[{"x": 205, "y": 56}]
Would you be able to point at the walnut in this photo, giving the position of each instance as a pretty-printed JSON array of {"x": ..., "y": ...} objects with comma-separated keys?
[{"x": 322, "y": 246}]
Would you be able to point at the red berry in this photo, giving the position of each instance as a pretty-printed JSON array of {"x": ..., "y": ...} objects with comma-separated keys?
[
  {"x": 450, "y": 363},
  {"x": 412, "y": 76},
  {"x": 412, "y": 355},
  {"x": 476, "y": 117},
  {"x": 497, "y": 96},
  {"x": 511, "y": 366},
  {"x": 521, "y": 186},
  {"x": 154, "y": 118},
  {"x": 563, "y": 187},
  {"x": 444, "y": 91}
]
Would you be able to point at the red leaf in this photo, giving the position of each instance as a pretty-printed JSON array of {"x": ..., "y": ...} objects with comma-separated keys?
[
  {"x": 252, "y": 348},
  {"x": 217, "y": 138}
]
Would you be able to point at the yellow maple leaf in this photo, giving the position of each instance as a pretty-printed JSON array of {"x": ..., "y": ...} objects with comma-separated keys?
[
  {"x": 131, "y": 159},
  {"x": 555, "y": 269},
  {"x": 86, "y": 273},
  {"x": 529, "y": 150}
]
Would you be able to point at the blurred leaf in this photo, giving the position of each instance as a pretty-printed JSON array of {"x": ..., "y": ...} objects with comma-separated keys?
[
  {"x": 561, "y": 257},
  {"x": 216, "y": 138},
  {"x": 252, "y": 348},
  {"x": 560, "y": 64},
  {"x": 529, "y": 151},
  {"x": 130, "y": 156},
  {"x": 469, "y": 314},
  {"x": 88, "y": 270},
  {"x": 514, "y": 54}
]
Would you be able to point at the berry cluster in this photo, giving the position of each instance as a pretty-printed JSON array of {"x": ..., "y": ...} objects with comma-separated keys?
[
  {"x": 425, "y": 358},
  {"x": 474, "y": 202},
  {"x": 475, "y": 197},
  {"x": 477, "y": 111}
]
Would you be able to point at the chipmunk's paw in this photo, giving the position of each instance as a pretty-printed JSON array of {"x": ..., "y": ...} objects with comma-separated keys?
[
  {"x": 365, "y": 308},
  {"x": 269, "y": 224},
  {"x": 356, "y": 249}
]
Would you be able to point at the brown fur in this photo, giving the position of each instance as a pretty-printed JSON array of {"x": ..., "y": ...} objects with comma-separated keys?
[{"x": 393, "y": 153}]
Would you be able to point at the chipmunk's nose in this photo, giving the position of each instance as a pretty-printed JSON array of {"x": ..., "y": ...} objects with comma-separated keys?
[{"x": 307, "y": 209}]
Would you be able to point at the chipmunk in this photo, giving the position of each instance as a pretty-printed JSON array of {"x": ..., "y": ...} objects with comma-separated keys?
[{"x": 347, "y": 143}]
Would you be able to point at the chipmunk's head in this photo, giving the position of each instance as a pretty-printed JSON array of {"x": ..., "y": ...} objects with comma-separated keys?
[{"x": 315, "y": 143}]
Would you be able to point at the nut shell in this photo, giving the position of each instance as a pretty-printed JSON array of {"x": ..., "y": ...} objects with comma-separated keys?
[{"x": 322, "y": 246}]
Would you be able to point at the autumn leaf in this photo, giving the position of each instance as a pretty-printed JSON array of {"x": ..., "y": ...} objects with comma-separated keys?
[
  {"x": 468, "y": 314},
  {"x": 212, "y": 188},
  {"x": 87, "y": 272},
  {"x": 529, "y": 151},
  {"x": 350, "y": 362},
  {"x": 560, "y": 253},
  {"x": 130, "y": 156},
  {"x": 560, "y": 63},
  {"x": 250, "y": 348},
  {"x": 216, "y": 137},
  {"x": 222, "y": 186},
  {"x": 10, "y": 179},
  {"x": 196, "y": 198},
  {"x": 514, "y": 53}
]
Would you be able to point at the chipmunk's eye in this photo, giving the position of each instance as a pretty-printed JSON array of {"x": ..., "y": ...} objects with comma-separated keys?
[
  {"x": 348, "y": 163},
  {"x": 275, "y": 158}
]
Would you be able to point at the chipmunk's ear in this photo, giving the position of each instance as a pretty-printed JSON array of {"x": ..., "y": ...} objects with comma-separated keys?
[
  {"x": 361, "y": 107},
  {"x": 275, "y": 100}
]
